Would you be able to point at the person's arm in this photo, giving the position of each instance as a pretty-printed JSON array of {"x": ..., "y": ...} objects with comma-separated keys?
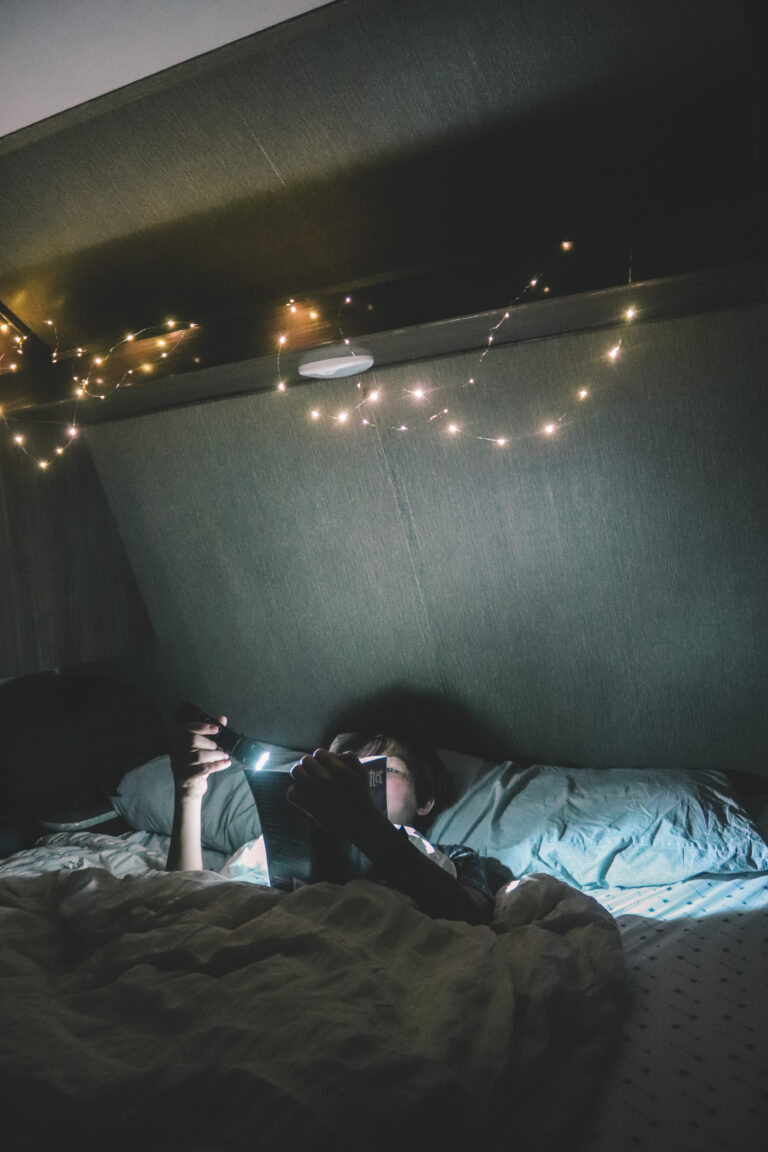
[
  {"x": 194, "y": 755},
  {"x": 334, "y": 791}
]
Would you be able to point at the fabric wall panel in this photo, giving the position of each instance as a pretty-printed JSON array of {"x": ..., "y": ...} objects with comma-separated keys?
[
  {"x": 273, "y": 558},
  {"x": 592, "y": 597}
]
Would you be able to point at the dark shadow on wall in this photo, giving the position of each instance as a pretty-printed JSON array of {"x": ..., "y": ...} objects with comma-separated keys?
[{"x": 440, "y": 720}]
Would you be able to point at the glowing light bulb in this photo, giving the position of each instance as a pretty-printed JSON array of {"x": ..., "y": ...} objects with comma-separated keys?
[
  {"x": 98, "y": 360},
  {"x": 49, "y": 323},
  {"x": 583, "y": 393},
  {"x": 346, "y": 341},
  {"x": 293, "y": 307},
  {"x": 193, "y": 325},
  {"x": 566, "y": 245},
  {"x": 501, "y": 441},
  {"x": 313, "y": 316},
  {"x": 59, "y": 451},
  {"x": 490, "y": 339},
  {"x": 348, "y": 300},
  {"x": 614, "y": 352},
  {"x": 144, "y": 368},
  {"x": 534, "y": 282},
  {"x": 281, "y": 386},
  {"x": 342, "y": 416},
  {"x": 365, "y": 421},
  {"x": 506, "y": 315},
  {"x": 72, "y": 431},
  {"x": 130, "y": 337},
  {"x": 373, "y": 396},
  {"x": 3, "y": 327},
  {"x": 171, "y": 324},
  {"x": 13, "y": 367},
  {"x": 453, "y": 428},
  {"x": 19, "y": 439},
  {"x": 282, "y": 340},
  {"x": 79, "y": 391},
  {"x": 163, "y": 355},
  {"x": 161, "y": 343},
  {"x": 631, "y": 313},
  {"x": 315, "y": 414},
  {"x": 549, "y": 429},
  {"x": 42, "y": 463},
  {"x": 418, "y": 393},
  {"x": 471, "y": 380}
]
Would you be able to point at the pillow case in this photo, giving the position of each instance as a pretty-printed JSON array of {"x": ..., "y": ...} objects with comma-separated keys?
[
  {"x": 144, "y": 799},
  {"x": 601, "y": 827}
]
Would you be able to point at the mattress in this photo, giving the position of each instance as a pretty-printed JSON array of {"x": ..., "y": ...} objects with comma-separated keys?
[{"x": 690, "y": 1072}]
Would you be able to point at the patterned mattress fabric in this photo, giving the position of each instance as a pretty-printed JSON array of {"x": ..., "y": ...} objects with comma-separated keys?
[
  {"x": 690, "y": 1073},
  {"x": 187, "y": 1011}
]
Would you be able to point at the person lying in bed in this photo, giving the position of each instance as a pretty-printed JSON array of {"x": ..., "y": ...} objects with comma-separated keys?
[{"x": 331, "y": 786}]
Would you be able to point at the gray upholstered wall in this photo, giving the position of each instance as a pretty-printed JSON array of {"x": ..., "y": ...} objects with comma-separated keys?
[{"x": 594, "y": 597}]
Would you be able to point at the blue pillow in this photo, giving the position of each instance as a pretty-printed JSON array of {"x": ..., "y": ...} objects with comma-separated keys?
[
  {"x": 144, "y": 799},
  {"x": 597, "y": 828}
]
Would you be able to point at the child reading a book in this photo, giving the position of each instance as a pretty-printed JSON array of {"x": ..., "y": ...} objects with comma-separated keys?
[{"x": 331, "y": 787}]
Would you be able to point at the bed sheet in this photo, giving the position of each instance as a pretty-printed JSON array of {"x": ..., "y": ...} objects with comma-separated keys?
[{"x": 690, "y": 1074}]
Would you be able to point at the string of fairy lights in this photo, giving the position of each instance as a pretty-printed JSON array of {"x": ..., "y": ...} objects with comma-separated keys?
[
  {"x": 157, "y": 344},
  {"x": 90, "y": 382},
  {"x": 366, "y": 407}
]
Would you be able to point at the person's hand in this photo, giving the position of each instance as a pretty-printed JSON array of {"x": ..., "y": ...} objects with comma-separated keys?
[
  {"x": 333, "y": 790},
  {"x": 195, "y": 755}
]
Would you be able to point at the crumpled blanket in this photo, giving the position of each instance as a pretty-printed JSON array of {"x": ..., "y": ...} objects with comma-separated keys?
[{"x": 187, "y": 1011}]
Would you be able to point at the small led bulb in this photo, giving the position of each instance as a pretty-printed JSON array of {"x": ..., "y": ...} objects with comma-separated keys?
[
  {"x": 534, "y": 282},
  {"x": 281, "y": 386},
  {"x": 418, "y": 393},
  {"x": 315, "y": 414},
  {"x": 452, "y": 428},
  {"x": 19, "y": 439},
  {"x": 631, "y": 313},
  {"x": 282, "y": 340},
  {"x": 373, "y": 396},
  {"x": 549, "y": 429},
  {"x": 342, "y": 416},
  {"x": 583, "y": 393},
  {"x": 59, "y": 451},
  {"x": 566, "y": 245},
  {"x": 72, "y": 431},
  {"x": 614, "y": 352},
  {"x": 43, "y": 463},
  {"x": 501, "y": 441},
  {"x": 172, "y": 324}
]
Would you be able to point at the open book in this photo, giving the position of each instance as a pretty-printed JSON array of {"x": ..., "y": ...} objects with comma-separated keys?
[{"x": 299, "y": 851}]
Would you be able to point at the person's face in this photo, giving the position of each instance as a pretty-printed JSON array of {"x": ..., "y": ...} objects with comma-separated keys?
[{"x": 402, "y": 806}]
